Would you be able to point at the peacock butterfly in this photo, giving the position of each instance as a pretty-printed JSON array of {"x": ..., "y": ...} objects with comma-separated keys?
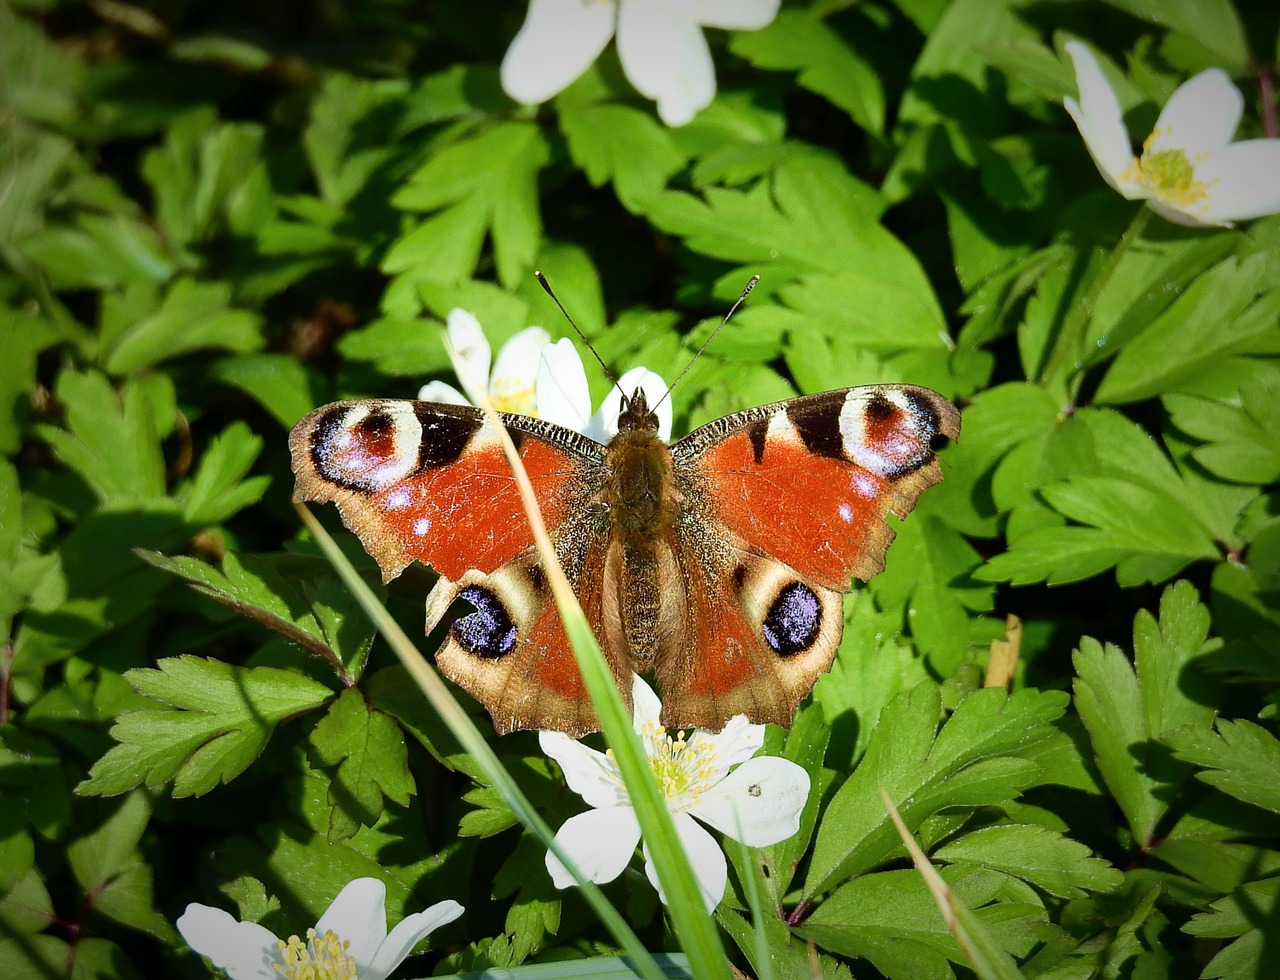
[{"x": 717, "y": 562}]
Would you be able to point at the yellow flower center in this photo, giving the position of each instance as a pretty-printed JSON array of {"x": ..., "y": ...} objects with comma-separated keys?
[
  {"x": 684, "y": 769},
  {"x": 1169, "y": 174},
  {"x": 319, "y": 958},
  {"x": 513, "y": 396}
]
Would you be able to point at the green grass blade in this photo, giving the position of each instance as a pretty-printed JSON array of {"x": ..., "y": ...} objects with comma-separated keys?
[{"x": 470, "y": 738}]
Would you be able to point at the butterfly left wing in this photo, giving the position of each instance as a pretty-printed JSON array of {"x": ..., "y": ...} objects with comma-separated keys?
[
  {"x": 785, "y": 503},
  {"x": 421, "y": 481}
]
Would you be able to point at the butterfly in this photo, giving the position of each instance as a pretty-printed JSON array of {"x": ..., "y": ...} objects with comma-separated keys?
[{"x": 717, "y": 562}]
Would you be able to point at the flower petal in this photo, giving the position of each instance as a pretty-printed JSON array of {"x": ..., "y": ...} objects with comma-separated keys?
[
  {"x": 590, "y": 774},
  {"x": 646, "y": 709},
  {"x": 732, "y": 15},
  {"x": 1201, "y": 116},
  {"x": 759, "y": 803},
  {"x": 704, "y": 855},
  {"x": 359, "y": 916},
  {"x": 604, "y": 424},
  {"x": 470, "y": 353},
  {"x": 1100, "y": 121},
  {"x": 408, "y": 932},
  {"x": 557, "y": 42},
  {"x": 245, "y": 950},
  {"x": 599, "y": 842},
  {"x": 518, "y": 360},
  {"x": 666, "y": 58},
  {"x": 737, "y": 742},
  {"x": 1243, "y": 179},
  {"x": 562, "y": 393},
  {"x": 439, "y": 391}
]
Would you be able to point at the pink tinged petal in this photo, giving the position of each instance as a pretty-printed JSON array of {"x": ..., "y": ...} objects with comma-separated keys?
[
  {"x": 562, "y": 393},
  {"x": 590, "y": 774},
  {"x": 759, "y": 803},
  {"x": 1201, "y": 116},
  {"x": 704, "y": 855},
  {"x": 732, "y": 15},
  {"x": 359, "y": 916},
  {"x": 438, "y": 391},
  {"x": 558, "y": 42},
  {"x": 599, "y": 842},
  {"x": 1100, "y": 121},
  {"x": 518, "y": 360},
  {"x": 410, "y": 931},
  {"x": 666, "y": 58},
  {"x": 737, "y": 742},
  {"x": 1243, "y": 181},
  {"x": 604, "y": 424},
  {"x": 470, "y": 353},
  {"x": 244, "y": 950}
]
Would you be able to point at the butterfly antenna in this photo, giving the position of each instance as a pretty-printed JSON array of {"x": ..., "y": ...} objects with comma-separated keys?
[
  {"x": 542, "y": 280},
  {"x": 706, "y": 343}
]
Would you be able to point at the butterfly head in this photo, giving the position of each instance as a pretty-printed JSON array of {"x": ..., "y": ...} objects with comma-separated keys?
[{"x": 636, "y": 415}]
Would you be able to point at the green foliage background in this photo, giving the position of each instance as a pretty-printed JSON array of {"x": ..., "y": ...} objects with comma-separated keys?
[{"x": 215, "y": 217}]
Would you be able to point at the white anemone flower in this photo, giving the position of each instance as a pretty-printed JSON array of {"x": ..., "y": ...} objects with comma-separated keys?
[
  {"x": 660, "y": 45},
  {"x": 758, "y": 803},
  {"x": 349, "y": 941},
  {"x": 563, "y": 396},
  {"x": 1189, "y": 171},
  {"x": 510, "y": 388}
]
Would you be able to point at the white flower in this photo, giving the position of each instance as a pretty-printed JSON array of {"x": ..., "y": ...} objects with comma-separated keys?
[
  {"x": 350, "y": 940},
  {"x": 660, "y": 45},
  {"x": 511, "y": 386},
  {"x": 759, "y": 803},
  {"x": 563, "y": 396},
  {"x": 1189, "y": 172}
]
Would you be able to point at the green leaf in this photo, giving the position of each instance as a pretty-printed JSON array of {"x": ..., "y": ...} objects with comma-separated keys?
[
  {"x": 369, "y": 752},
  {"x": 283, "y": 385},
  {"x": 218, "y": 721},
  {"x": 486, "y": 184},
  {"x": 624, "y": 145},
  {"x": 113, "y": 873},
  {"x": 1240, "y": 758},
  {"x": 219, "y": 489},
  {"x": 1248, "y": 913},
  {"x": 928, "y": 577},
  {"x": 973, "y": 760},
  {"x": 813, "y": 216},
  {"x": 322, "y": 617},
  {"x": 192, "y": 316},
  {"x": 1148, "y": 535},
  {"x": 112, "y": 441},
  {"x": 1126, "y": 708},
  {"x": 796, "y": 41},
  {"x": 1059, "y": 865},
  {"x": 1176, "y": 353},
  {"x": 22, "y": 337},
  {"x": 891, "y": 919},
  {"x": 1242, "y": 440},
  {"x": 1214, "y": 23}
]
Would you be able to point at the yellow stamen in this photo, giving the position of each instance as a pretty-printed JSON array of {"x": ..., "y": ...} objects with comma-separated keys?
[
  {"x": 319, "y": 958},
  {"x": 1169, "y": 175},
  {"x": 512, "y": 396},
  {"x": 684, "y": 769}
]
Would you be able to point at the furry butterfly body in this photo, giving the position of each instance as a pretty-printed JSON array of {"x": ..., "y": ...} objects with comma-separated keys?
[{"x": 716, "y": 562}]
